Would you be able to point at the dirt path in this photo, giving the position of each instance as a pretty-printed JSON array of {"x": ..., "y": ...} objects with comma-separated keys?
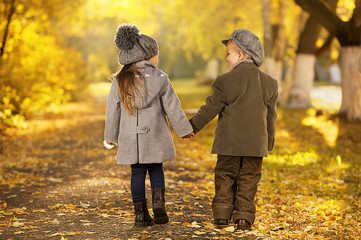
[{"x": 59, "y": 182}]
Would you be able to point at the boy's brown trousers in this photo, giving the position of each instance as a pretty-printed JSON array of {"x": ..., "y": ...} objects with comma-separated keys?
[{"x": 236, "y": 180}]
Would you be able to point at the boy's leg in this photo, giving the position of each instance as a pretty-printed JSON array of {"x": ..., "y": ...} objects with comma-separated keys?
[
  {"x": 225, "y": 174},
  {"x": 248, "y": 178},
  {"x": 139, "y": 172}
]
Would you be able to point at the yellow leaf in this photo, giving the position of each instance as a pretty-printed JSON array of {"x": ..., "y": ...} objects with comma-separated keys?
[{"x": 229, "y": 229}]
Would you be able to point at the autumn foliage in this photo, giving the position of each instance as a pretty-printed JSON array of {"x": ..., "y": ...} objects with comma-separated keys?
[{"x": 39, "y": 69}]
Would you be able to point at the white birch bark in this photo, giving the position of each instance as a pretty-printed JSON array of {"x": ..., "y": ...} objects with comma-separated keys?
[
  {"x": 212, "y": 69},
  {"x": 303, "y": 75},
  {"x": 271, "y": 67}
]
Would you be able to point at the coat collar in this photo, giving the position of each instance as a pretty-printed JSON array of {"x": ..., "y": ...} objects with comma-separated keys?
[
  {"x": 245, "y": 64},
  {"x": 144, "y": 64},
  {"x": 244, "y": 60}
]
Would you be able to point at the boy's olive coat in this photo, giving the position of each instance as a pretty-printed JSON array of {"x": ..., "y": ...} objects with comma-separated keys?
[
  {"x": 145, "y": 137},
  {"x": 246, "y": 100}
]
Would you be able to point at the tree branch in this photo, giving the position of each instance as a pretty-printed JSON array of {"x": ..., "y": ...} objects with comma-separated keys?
[
  {"x": 12, "y": 10},
  {"x": 325, "y": 46},
  {"x": 320, "y": 11}
]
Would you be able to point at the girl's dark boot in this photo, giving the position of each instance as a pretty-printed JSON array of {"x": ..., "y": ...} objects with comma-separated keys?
[
  {"x": 142, "y": 217},
  {"x": 160, "y": 214}
]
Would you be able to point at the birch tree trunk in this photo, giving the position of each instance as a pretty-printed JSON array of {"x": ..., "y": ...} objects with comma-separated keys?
[
  {"x": 350, "y": 63},
  {"x": 269, "y": 62},
  {"x": 212, "y": 69},
  {"x": 348, "y": 34},
  {"x": 299, "y": 94},
  {"x": 271, "y": 67},
  {"x": 280, "y": 42}
]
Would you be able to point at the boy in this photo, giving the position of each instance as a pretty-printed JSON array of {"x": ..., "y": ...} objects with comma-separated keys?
[{"x": 245, "y": 99}]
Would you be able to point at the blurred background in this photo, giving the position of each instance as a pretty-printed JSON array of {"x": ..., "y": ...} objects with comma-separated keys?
[{"x": 52, "y": 51}]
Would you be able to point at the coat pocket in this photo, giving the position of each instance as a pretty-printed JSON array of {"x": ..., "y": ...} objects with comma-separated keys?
[{"x": 219, "y": 130}]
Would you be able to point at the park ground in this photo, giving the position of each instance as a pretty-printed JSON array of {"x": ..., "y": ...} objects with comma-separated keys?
[{"x": 58, "y": 182}]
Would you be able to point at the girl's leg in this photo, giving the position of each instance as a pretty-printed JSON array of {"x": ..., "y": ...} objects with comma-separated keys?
[
  {"x": 142, "y": 217},
  {"x": 156, "y": 175},
  {"x": 158, "y": 193},
  {"x": 139, "y": 172}
]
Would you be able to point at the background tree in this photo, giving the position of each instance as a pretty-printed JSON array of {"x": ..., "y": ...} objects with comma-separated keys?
[
  {"x": 348, "y": 33},
  {"x": 39, "y": 68},
  {"x": 304, "y": 70},
  {"x": 199, "y": 26},
  {"x": 274, "y": 38}
]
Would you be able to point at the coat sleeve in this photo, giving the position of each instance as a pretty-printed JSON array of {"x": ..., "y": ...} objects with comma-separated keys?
[
  {"x": 112, "y": 120},
  {"x": 214, "y": 104},
  {"x": 271, "y": 118},
  {"x": 173, "y": 110}
]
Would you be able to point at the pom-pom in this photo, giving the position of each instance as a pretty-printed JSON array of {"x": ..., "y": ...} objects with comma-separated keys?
[{"x": 126, "y": 36}]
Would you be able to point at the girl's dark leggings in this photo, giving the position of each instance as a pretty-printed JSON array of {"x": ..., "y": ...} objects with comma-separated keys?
[{"x": 139, "y": 172}]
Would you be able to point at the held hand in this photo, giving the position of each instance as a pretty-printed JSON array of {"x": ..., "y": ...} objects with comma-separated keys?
[
  {"x": 108, "y": 145},
  {"x": 189, "y": 135}
]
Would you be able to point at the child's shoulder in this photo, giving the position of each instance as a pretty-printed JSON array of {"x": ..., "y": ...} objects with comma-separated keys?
[
  {"x": 239, "y": 71},
  {"x": 150, "y": 70}
]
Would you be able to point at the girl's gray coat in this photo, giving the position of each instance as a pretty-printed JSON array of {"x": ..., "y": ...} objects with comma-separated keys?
[{"x": 145, "y": 137}]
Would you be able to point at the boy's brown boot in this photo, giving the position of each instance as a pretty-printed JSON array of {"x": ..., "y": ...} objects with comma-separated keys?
[
  {"x": 221, "y": 222},
  {"x": 243, "y": 225},
  {"x": 142, "y": 217},
  {"x": 158, "y": 198}
]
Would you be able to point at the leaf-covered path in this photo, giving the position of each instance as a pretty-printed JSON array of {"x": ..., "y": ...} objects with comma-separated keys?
[{"x": 58, "y": 182}]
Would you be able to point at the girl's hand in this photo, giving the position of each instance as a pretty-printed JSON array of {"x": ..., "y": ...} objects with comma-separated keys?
[
  {"x": 189, "y": 135},
  {"x": 108, "y": 145}
]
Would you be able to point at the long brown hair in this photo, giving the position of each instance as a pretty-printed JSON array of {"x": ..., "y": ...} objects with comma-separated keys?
[{"x": 131, "y": 84}]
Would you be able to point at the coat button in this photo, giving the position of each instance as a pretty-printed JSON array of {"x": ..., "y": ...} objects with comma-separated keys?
[{"x": 145, "y": 129}]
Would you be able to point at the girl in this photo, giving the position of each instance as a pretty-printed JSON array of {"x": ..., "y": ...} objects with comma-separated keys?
[{"x": 140, "y": 101}]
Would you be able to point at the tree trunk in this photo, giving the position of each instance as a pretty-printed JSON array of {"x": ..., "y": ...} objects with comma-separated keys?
[
  {"x": 349, "y": 36},
  {"x": 306, "y": 47},
  {"x": 280, "y": 42},
  {"x": 350, "y": 63},
  {"x": 271, "y": 67},
  {"x": 212, "y": 70},
  {"x": 269, "y": 62},
  {"x": 299, "y": 95}
]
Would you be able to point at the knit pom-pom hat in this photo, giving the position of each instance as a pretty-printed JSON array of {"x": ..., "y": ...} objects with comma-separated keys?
[{"x": 133, "y": 45}]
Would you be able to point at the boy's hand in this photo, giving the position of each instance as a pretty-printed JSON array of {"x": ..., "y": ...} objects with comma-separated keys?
[{"x": 189, "y": 135}]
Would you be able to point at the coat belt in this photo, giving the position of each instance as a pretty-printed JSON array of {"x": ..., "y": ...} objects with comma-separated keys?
[{"x": 143, "y": 129}]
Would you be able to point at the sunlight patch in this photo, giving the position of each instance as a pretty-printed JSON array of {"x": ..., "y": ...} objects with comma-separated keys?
[
  {"x": 328, "y": 128},
  {"x": 299, "y": 158}
]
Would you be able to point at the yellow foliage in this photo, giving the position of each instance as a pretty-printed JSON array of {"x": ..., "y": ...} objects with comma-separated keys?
[{"x": 345, "y": 9}]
